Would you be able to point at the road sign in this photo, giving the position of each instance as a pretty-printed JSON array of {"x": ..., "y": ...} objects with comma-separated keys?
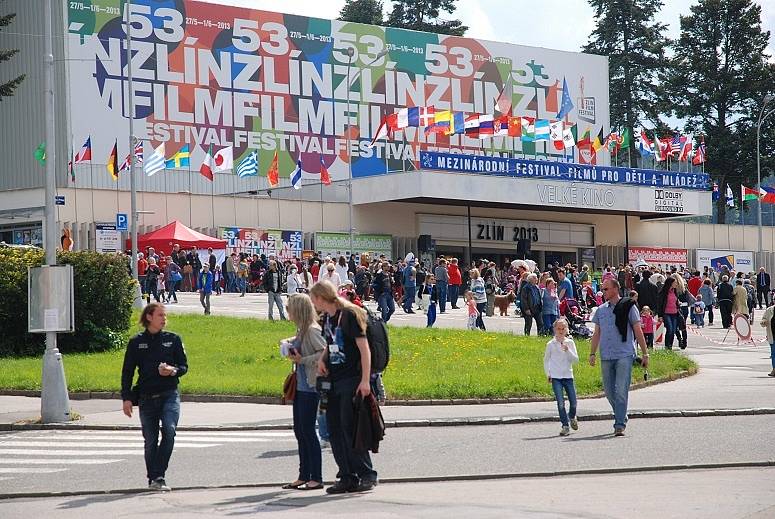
[
  {"x": 122, "y": 222},
  {"x": 59, "y": 199}
]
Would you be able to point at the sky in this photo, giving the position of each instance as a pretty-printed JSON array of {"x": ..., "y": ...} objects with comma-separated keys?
[{"x": 553, "y": 24}]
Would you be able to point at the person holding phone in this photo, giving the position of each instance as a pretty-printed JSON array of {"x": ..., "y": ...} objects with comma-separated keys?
[{"x": 160, "y": 359}]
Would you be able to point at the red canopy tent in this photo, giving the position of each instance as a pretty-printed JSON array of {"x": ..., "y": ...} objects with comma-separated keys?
[{"x": 163, "y": 239}]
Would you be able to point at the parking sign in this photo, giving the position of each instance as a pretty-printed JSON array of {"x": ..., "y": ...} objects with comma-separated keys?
[{"x": 122, "y": 222}]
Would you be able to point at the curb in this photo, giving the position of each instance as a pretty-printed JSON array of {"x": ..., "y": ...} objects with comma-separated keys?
[
  {"x": 442, "y": 422},
  {"x": 422, "y": 479},
  {"x": 240, "y": 399}
]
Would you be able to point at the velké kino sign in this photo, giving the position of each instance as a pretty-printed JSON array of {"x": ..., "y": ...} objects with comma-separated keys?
[{"x": 539, "y": 169}]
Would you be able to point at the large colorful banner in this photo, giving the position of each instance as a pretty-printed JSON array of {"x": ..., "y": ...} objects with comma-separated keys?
[
  {"x": 658, "y": 256},
  {"x": 283, "y": 244},
  {"x": 208, "y": 74},
  {"x": 739, "y": 261},
  {"x": 337, "y": 244}
]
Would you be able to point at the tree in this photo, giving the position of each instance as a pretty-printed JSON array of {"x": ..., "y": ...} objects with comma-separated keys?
[
  {"x": 626, "y": 32},
  {"x": 362, "y": 11},
  {"x": 7, "y": 88},
  {"x": 719, "y": 78},
  {"x": 423, "y": 15}
]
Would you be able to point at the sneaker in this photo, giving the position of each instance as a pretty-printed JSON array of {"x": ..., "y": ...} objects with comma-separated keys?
[
  {"x": 341, "y": 487},
  {"x": 619, "y": 431},
  {"x": 565, "y": 431},
  {"x": 366, "y": 485},
  {"x": 574, "y": 424},
  {"x": 771, "y": 373},
  {"x": 159, "y": 484}
]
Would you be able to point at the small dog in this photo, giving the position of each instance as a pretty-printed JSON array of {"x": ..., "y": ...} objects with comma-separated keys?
[{"x": 502, "y": 302}]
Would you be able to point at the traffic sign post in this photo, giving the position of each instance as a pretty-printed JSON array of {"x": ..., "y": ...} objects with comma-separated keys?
[{"x": 122, "y": 222}]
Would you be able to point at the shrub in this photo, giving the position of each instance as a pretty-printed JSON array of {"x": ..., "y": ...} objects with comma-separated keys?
[{"x": 103, "y": 302}]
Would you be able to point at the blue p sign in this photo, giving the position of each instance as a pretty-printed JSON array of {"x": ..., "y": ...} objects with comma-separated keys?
[{"x": 122, "y": 222}]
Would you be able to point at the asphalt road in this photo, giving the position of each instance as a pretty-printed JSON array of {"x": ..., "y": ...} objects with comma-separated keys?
[{"x": 38, "y": 461}]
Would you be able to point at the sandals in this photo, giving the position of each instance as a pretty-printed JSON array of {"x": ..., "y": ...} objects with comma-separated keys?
[
  {"x": 306, "y": 486},
  {"x": 291, "y": 486}
]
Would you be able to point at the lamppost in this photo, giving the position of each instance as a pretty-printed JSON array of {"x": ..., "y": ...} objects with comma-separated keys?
[
  {"x": 350, "y": 51},
  {"x": 762, "y": 116}
]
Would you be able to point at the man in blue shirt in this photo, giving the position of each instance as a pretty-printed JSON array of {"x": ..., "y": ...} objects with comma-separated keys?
[
  {"x": 205, "y": 283},
  {"x": 564, "y": 286},
  {"x": 617, "y": 355}
]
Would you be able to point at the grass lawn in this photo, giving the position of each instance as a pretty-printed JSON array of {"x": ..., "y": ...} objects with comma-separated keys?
[{"x": 229, "y": 355}]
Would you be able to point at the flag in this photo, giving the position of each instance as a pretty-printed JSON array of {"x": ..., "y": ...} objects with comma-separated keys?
[
  {"x": 686, "y": 148},
  {"x": 503, "y": 102},
  {"x": 500, "y": 126},
  {"x": 180, "y": 160},
  {"x": 660, "y": 151},
  {"x": 644, "y": 146},
  {"x": 382, "y": 131},
  {"x": 40, "y": 153},
  {"x": 567, "y": 104},
  {"x": 414, "y": 116},
  {"x": 296, "y": 175},
  {"x": 599, "y": 141},
  {"x": 675, "y": 144},
  {"x": 542, "y": 130},
  {"x": 746, "y": 193},
  {"x": 248, "y": 167},
  {"x": 515, "y": 126},
  {"x": 486, "y": 126},
  {"x": 457, "y": 123},
  {"x": 441, "y": 122},
  {"x": 730, "y": 197},
  {"x": 567, "y": 138},
  {"x": 155, "y": 162},
  {"x": 273, "y": 175},
  {"x": 138, "y": 157},
  {"x": 70, "y": 168},
  {"x": 224, "y": 159},
  {"x": 699, "y": 156},
  {"x": 584, "y": 142},
  {"x": 112, "y": 164},
  {"x": 324, "y": 176},
  {"x": 471, "y": 126},
  {"x": 556, "y": 129},
  {"x": 768, "y": 194},
  {"x": 625, "y": 140},
  {"x": 716, "y": 195},
  {"x": 528, "y": 129},
  {"x": 84, "y": 153},
  {"x": 208, "y": 164}
]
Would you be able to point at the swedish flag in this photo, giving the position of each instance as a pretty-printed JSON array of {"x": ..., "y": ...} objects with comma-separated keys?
[{"x": 179, "y": 160}]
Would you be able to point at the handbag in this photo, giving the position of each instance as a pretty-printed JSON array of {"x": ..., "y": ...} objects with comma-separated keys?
[
  {"x": 289, "y": 388},
  {"x": 176, "y": 276},
  {"x": 188, "y": 269}
]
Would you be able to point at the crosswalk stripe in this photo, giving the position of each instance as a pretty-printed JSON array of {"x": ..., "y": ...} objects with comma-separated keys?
[
  {"x": 95, "y": 444},
  {"x": 24, "y": 470},
  {"x": 136, "y": 432},
  {"x": 56, "y": 461},
  {"x": 64, "y": 452},
  {"x": 178, "y": 438}
]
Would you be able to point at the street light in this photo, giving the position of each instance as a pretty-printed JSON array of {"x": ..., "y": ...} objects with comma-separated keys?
[
  {"x": 350, "y": 51},
  {"x": 762, "y": 116}
]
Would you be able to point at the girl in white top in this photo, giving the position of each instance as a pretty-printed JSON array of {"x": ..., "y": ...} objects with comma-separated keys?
[
  {"x": 341, "y": 269},
  {"x": 559, "y": 358}
]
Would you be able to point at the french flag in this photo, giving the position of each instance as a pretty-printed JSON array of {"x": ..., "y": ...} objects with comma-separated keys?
[{"x": 414, "y": 116}]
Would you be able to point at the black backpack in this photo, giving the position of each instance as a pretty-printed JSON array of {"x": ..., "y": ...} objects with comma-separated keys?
[{"x": 379, "y": 344}]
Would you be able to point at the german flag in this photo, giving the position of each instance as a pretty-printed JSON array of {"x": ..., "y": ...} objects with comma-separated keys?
[{"x": 112, "y": 164}]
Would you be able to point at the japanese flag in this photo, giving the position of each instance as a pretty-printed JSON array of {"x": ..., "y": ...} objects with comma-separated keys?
[{"x": 224, "y": 159}]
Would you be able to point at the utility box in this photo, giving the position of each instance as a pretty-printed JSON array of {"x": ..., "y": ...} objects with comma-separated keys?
[{"x": 51, "y": 301}]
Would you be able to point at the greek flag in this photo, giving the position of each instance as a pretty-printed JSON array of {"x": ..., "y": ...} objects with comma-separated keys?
[
  {"x": 248, "y": 167},
  {"x": 296, "y": 176},
  {"x": 155, "y": 162}
]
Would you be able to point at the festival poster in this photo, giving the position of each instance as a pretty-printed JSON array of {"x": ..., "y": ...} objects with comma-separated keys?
[
  {"x": 658, "y": 256},
  {"x": 209, "y": 74},
  {"x": 285, "y": 245}
]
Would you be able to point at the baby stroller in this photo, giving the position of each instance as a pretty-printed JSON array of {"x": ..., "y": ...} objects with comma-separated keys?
[{"x": 572, "y": 312}]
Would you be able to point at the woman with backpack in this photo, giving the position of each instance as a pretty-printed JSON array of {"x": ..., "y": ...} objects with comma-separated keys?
[{"x": 347, "y": 363}]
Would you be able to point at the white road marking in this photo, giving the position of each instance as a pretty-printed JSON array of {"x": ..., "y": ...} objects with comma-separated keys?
[
  {"x": 62, "y": 452},
  {"x": 55, "y": 461},
  {"x": 23, "y": 470},
  {"x": 178, "y": 439},
  {"x": 95, "y": 444}
]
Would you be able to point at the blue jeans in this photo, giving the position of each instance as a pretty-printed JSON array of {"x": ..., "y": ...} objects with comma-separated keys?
[
  {"x": 164, "y": 408},
  {"x": 354, "y": 465},
  {"x": 275, "y": 298},
  {"x": 431, "y": 314},
  {"x": 231, "y": 286},
  {"x": 617, "y": 374},
  {"x": 699, "y": 319},
  {"x": 323, "y": 427},
  {"x": 305, "y": 410},
  {"x": 481, "y": 307},
  {"x": 409, "y": 295},
  {"x": 772, "y": 354},
  {"x": 671, "y": 327},
  {"x": 387, "y": 305},
  {"x": 441, "y": 290},
  {"x": 558, "y": 384},
  {"x": 454, "y": 293},
  {"x": 548, "y": 322}
]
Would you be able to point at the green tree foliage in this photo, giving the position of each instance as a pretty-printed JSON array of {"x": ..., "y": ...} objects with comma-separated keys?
[
  {"x": 626, "y": 32},
  {"x": 103, "y": 302},
  {"x": 718, "y": 80},
  {"x": 423, "y": 15},
  {"x": 7, "y": 88},
  {"x": 362, "y": 11}
]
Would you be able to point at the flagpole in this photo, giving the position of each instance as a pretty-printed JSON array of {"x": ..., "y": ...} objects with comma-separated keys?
[
  {"x": 166, "y": 202},
  {"x": 212, "y": 197},
  {"x": 91, "y": 182},
  {"x": 132, "y": 185},
  {"x": 190, "y": 195}
]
